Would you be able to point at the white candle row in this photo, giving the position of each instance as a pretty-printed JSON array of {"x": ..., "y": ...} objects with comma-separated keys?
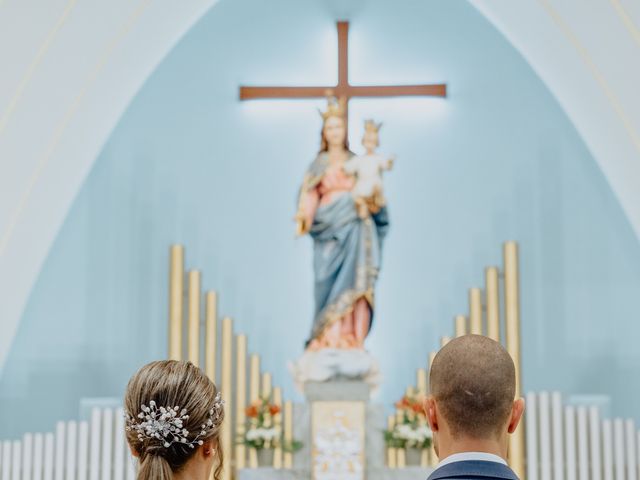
[
  {"x": 574, "y": 443},
  {"x": 77, "y": 451}
]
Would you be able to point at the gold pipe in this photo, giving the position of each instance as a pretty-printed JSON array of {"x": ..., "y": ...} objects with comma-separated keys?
[
  {"x": 421, "y": 381},
  {"x": 512, "y": 330},
  {"x": 227, "y": 364},
  {"x": 194, "y": 317},
  {"x": 444, "y": 341},
  {"x": 432, "y": 452},
  {"x": 461, "y": 325},
  {"x": 241, "y": 399},
  {"x": 266, "y": 396},
  {"x": 424, "y": 458},
  {"x": 288, "y": 433},
  {"x": 254, "y": 378},
  {"x": 266, "y": 386},
  {"x": 254, "y": 397},
  {"x": 277, "y": 421},
  {"x": 399, "y": 415},
  {"x": 493, "y": 307},
  {"x": 401, "y": 458},
  {"x": 253, "y": 458},
  {"x": 211, "y": 334},
  {"x": 391, "y": 452},
  {"x": 176, "y": 273},
  {"x": 475, "y": 311},
  {"x": 433, "y": 457}
]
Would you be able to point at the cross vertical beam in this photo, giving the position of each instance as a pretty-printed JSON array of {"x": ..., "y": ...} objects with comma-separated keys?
[{"x": 343, "y": 89}]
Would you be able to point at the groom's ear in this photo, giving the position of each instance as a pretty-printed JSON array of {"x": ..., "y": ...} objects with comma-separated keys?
[
  {"x": 516, "y": 414},
  {"x": 431, "y": 409}
]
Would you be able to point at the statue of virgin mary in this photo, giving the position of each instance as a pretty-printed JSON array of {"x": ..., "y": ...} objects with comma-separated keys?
[{"x": 346, "y": 246}]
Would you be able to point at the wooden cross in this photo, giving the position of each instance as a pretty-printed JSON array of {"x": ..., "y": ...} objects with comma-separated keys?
[{"x": 343, "y": 89}]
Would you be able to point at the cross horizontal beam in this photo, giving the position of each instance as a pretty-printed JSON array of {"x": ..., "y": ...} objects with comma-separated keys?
[{"x": 349, "y": 91}]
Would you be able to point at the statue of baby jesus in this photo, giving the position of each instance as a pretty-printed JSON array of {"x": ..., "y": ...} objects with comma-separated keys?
[{"x": 367, "y": 168}]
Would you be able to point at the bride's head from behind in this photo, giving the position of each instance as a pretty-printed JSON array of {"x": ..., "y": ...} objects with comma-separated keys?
[{"x": 174, "y": 414}]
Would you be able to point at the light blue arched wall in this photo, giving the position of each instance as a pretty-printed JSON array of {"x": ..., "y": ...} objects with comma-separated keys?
[{"x": 188, "y": 163}]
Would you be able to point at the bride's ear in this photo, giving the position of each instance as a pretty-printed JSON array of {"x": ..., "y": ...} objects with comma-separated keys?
[
  {"x": 208, "y": 448},
  {"x": 134, "y": 452}
]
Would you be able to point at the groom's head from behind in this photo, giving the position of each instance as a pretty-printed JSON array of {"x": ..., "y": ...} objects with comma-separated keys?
[{"x": 472, "y": 405}]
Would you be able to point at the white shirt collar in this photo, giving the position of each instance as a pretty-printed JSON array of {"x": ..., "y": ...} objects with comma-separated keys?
[{"x": 465, "y": 456}]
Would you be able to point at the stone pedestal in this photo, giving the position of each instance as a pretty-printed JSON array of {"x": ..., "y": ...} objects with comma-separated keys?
[{"x": 348, "y": 396}]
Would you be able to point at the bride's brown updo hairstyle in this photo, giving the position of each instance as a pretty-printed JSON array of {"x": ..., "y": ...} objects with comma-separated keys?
[{"x": 172, "y": 409}]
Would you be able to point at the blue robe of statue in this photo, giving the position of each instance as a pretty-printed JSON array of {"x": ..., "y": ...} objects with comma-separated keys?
[{"x": 346, "y": 253}]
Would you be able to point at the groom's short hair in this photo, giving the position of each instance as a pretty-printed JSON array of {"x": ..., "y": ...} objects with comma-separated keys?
[{"x": 473, "y": 381}]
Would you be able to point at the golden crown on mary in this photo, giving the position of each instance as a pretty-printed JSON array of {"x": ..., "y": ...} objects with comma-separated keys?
[{"x": 336, "y": 107}]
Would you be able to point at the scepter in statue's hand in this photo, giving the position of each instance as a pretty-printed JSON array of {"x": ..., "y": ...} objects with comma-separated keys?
[
  {"x": 307, "y": 204},
  {"x": 301, "y": 224}
]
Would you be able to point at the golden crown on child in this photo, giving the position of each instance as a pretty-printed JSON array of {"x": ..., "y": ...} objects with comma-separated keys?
[{"x": 371, "y": 126}]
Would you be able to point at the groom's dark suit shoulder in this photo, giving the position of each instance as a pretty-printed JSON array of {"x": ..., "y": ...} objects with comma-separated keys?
[{"x": 473, "y": 470}]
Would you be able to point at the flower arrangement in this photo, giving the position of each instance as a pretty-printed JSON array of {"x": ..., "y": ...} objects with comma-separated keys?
[
  {"x": 411, "y": 429},
  {"x": 262, "y": 430}
]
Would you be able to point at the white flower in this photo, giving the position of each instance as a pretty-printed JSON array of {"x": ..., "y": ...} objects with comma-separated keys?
[
  {"x": 412, "y": 435},
  {"x": 264, "y": 434}
]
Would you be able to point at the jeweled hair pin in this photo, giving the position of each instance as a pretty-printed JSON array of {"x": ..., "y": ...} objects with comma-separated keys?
[{"x": 167, "y": 423}]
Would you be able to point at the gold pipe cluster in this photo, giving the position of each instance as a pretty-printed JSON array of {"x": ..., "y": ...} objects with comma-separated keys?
[
  {"x": 484, "y": 319},
  {"x": 219, "y": 356}
]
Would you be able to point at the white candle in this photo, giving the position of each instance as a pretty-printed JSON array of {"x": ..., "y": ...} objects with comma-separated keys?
[
  {"x": 558, "y": 438},
  {"x": 16, "y": 451},
  {"x": 38, "y": 450},
  {"x": 59, "y": 458},
  {"x": 94, "y": 454},
  {"x": 607, "y": 449},
  {"x": 83, "y": 446},
  {"x": 48, "y": 456},
  {"x": 570, "y": 439},
  {"x": 6, "y": 460},
  {"x": 638, "y": 446},
  {"x": 72, "y": 432},
  {"x": 531, "y": 419},
  {"x": 630, "y": 428},
  {"x": 583, "y": 445},
  {"x": 107, "y": 438},
  {"x": 618, "y": 448},
  {"x": 118, "y": 448},
  {"x": 596, "y": 449},
  {"x": 545, "y": 436},
  {"x": 27, "y": 455}
]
